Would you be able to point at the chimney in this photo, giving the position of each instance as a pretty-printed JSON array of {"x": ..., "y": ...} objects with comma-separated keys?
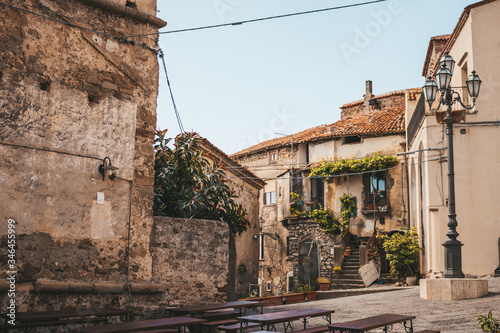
[{"x": 368, "y": 95}]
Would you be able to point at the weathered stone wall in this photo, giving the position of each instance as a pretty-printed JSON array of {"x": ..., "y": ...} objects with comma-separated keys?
[
  {"x": 190, "y": 258},
  {"x": 310, "y": 230},
  {"x": 68, "y": 99},
  {"x": 386, "y": 101}
]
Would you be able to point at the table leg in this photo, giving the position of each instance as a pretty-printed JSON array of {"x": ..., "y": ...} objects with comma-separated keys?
[{"x": 409, "y": 329}]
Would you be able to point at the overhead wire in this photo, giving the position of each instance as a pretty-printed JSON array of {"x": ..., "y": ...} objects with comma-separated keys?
[
  {"x": 259, "y": 19},
  {"x": 177, "y": 115}
]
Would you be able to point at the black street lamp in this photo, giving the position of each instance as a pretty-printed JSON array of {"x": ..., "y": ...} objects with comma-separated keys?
[{"x": 452, "y": 247}]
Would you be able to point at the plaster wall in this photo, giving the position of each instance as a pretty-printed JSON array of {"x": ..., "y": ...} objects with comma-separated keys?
[
  {"x": 477, "y": 155},
  {"x": 64, "y": 108}
]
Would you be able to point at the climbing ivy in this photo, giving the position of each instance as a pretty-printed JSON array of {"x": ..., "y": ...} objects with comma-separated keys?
[{"x": 376, "y": 162}]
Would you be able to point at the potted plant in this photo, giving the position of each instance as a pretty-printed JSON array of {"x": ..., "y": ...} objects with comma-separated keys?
[
  {"x": 324, "y": 283},
  {"x": 402, "y": 251},
  {"x": 347, "y": 251},
  {"x": 337, "y": 270},
  {"x": 489, "y": 323}
]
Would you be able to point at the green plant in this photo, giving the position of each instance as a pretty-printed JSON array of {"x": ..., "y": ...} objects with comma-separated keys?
[
  {"x": 190, "y": 186},
  {"x": 402, "y": 252},
  {"x": 303, "y": 288},
  {"x": 242, "y": 269},
  {"x": 337, "y": 269},
  {"x": 323, "y": 280},
  {"x": 348, "y": 208},
  {"x": 296, "y": 206},
  {"x": 489, "y": 324},
  {"x": 375, "y": 162},
  {"x": 327, "y": 221}
]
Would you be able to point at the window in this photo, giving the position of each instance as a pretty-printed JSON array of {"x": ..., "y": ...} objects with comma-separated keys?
[
  {"x": 261, "y": 247},
  {"x": 273, "y": 157},
  {"x": 317, "y": 192},
  {"x": 375, "y": 190},
  {"x": 351, "y": 139},
  {"x": 270, "y": 198}
]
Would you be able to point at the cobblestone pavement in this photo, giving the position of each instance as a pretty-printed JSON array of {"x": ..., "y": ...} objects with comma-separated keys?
[{"x": 446, "y": 316}]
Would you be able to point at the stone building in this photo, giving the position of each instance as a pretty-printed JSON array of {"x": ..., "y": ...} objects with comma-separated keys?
[
  {"x": 474, "y": 46},
  {"x": 244, "y": 251},
  {"x": 374, "y": 124},
  {"x": 78, "y": 117}
]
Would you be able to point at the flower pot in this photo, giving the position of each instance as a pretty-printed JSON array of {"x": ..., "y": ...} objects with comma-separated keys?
[
  {"x": 311, "y": 296},
  {"x": 323, "y": 286},
  {"x": 411, "y": 280}
]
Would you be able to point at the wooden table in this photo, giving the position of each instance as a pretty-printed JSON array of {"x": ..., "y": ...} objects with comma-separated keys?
[
  {"x": 171, "y": 322},
  {"x": 384, "y": 320},
  {"x": 201, "y": 309},
  {"x": 286, "y": 317},
  {"x": 28, "y": 321}
]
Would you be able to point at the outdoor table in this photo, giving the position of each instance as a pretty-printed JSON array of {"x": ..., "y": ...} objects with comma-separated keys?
[
  {"x": 201, "y": 309},
  {"x": 171, "y": 322},
  {"x": 365, "y": 324},
  {"x": 286, "y": 317},
  {"x": 30, "y": 320}
]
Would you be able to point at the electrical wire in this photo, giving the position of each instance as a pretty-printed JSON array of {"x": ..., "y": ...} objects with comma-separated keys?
[
  {"x": 177, "y": 115},
  {"x": 260, "y": 19},
  {"x": 50, "y": 150}
]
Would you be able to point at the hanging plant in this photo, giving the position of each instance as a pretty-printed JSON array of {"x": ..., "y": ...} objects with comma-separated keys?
[
  {"x": 348, "y": 208},
  {"x": 327, "y": 221},
  {"x": 377, "y": 162}
]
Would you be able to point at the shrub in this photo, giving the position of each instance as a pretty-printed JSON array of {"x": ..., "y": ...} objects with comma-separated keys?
[
  {"x": 489, "y": 324},
  {"x": 402, "y": 252}
]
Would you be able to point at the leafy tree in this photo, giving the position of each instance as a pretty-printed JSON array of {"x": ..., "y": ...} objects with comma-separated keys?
[
  {"x": 190, "y": 186},
  {"x": 402, "y": 252}
]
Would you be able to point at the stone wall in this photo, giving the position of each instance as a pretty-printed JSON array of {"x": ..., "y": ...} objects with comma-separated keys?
[
  {"x": 190, "y": 258},
  {"x": 385, "y": 101}
]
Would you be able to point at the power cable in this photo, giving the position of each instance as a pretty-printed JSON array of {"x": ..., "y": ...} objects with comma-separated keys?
[
  {"x": 179, "y": 121},
  {"x": 259, "y": 19}
]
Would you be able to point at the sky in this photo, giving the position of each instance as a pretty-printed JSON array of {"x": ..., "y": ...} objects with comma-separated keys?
[{"x": 243, "y": 84}]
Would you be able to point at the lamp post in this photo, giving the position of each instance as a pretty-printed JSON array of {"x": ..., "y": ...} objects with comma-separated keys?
[{"x": 452, "y": 246}]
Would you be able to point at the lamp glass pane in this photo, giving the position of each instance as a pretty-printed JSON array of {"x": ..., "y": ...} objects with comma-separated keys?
[
  {"x": 430, "y": 90},
  {"x": 473, "y": 85},
  {"x": 443, "y": 78}
]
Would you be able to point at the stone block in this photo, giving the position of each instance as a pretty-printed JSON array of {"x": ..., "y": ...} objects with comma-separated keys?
[
  {"x": 51, "y": 287},
  {"x": 452, "y": 289},
  {"x": 4, "y": 285},
  {"x": 146, "y": 288}
]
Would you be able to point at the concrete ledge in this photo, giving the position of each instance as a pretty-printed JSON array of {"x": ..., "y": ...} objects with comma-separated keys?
[
  {"x": 146, "y": 288},
  {"x": 108, "y": 288},
  {"x": 452, "y": 289}
]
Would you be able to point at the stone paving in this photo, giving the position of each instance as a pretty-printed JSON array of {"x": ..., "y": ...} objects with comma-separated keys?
[{"x": 445, "y": 316}]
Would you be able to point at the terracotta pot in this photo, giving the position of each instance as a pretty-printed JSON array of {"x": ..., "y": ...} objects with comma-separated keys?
[
  {"x": 323, "y": 286},
  {"x": 311, "y": 295}
]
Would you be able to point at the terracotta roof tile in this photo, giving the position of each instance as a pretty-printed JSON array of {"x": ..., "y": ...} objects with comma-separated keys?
[{"x": 387, "y": 121}]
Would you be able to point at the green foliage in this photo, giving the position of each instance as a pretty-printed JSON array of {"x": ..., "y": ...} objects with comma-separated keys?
[
  {"x": 304, "y": 288},
  {"x": 348, "y": 209},
  {"x": 346, "y": 166},
  {"x": 188, "y": 185},
  {"x": 402, "y": 252},
  {"x": 489, "y": 324},
  {"x": 296, "y": 206},
  {"x": 328, "y": 223},
  {"x": 242, "y": 269}
]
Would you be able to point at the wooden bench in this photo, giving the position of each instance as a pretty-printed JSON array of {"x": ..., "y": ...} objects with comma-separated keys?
[
  {"x": 381, "y": 321},
  {"x": 27, "y": 327},
  {"x": 428, "y": 331},
  {"x": 236, "y": 327},
  {"x": 167, "y": 330},
  {"x": 316, "y": 329}
]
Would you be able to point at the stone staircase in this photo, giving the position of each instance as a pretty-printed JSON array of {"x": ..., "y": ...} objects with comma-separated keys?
[{"x": 349, "y": 278}]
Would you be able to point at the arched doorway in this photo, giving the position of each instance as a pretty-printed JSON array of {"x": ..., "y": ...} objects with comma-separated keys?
[{"x": 308, "y": 262}]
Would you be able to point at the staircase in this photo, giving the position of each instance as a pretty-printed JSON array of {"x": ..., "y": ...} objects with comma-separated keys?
[{"x": 349, "y": 278}]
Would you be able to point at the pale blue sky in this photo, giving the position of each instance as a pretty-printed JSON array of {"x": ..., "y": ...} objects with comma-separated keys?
[{"x": 238, "y": 85}]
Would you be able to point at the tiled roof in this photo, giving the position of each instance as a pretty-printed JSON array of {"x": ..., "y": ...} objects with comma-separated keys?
[{"x": 387, "y": 121}]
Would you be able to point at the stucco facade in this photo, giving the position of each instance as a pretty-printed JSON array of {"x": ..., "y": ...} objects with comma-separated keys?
[
  {"x": 285, "y": 164},
  {"x": 474, "y": 47}
]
